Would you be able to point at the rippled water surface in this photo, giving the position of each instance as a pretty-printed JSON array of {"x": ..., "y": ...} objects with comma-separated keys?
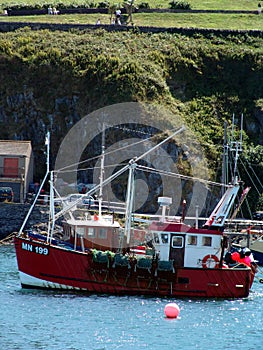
[{"x": 31, "y": 319}]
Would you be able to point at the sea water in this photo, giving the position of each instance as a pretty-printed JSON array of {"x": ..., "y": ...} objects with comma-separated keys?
[{"x": 34, "y": 319}]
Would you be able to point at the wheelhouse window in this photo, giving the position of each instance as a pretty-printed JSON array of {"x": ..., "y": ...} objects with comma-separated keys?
[
  {"x": 192, "y": 240},
  {"x": 102, "y": 233},
  {"x": 156, "y": 238},
  {"x": 91, "y": 232},
  {"x": 177, "y": 242},
  {"x": 67, "y": 230},
  {"x": 207, "y": 241},
  {"x": 164, "y": 237},
  {"x": 80, "y": 230}
]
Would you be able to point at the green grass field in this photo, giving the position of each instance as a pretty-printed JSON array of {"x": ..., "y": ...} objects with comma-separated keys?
[
  {"x": 208, "y": 21},
  {"x": 185, "y": 20},
  {"x": 195, "y": 4}
]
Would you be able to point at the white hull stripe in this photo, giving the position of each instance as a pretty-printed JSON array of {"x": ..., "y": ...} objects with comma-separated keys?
[{"x": 28, "y": 280}]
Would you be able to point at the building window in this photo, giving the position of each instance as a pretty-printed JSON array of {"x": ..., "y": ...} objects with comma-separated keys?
[
  {"x": 10, "y": 167},
  {"x": 91, "y": 232},
  {"x": 177, "y": 242},
  {"x": 192, "y": 240},
  {"x": 207, "y": 241}
]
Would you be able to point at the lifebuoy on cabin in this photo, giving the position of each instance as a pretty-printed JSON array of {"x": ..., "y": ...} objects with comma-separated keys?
[{"x": 210, "y": 261}]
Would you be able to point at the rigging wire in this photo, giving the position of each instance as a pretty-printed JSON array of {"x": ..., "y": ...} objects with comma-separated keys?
[
  {"x": 170, "y": 174},
  {"x": 245, "y": 200},
  {"x": 94, "y": 167},
  {"x": 250, "y": 167},
  {"x": 130, "y": 130},
  {"x": 113, "y": 151},
  {"x": 250, "y": 178}
]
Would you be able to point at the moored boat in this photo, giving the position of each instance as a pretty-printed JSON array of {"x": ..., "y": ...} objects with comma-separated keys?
[
  {"x": 256, "y": 248},
  {"x": 177, "y": 259},
  {"x": 255, "y": 244},
  {"x": 43, "y": 265}
]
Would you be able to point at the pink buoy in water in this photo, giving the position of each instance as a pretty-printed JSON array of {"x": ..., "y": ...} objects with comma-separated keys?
[{"x": 171, "y": 310}]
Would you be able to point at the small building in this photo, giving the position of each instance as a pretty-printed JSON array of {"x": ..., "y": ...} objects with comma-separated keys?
[{"x": 16, "y": 167}]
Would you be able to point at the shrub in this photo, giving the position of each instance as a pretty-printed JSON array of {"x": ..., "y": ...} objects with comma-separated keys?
[
  {"x": 92, "y": 4},
  {"x": 59, "y": 5},
  {"x": 179, "y": 5},
  {"x": 144, "y": 5},
  {"x": 16, "y": 7},
  {"x": 103, "y": 5}
]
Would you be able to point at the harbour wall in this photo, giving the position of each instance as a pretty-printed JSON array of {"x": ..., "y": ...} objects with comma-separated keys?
[{"x": 12, "y": 216}]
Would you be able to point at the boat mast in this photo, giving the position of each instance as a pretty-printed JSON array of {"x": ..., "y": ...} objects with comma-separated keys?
[
  {"x": 102, "y": 169},
  {"x": 130, "y": 187},
  {"x": 224, "y": 178},
  {"x": 47, "y": 144},
  {"x": 51, "y": 222},
  {"x": 219, "y": 215},
  {"x": 129, "y": 202},
  {"x": 236, "y": 146},
  {"x": 115, "y": 175}
]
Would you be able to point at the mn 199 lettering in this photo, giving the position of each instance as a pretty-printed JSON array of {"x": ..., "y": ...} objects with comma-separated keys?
[{"x": 34, "y": 249}]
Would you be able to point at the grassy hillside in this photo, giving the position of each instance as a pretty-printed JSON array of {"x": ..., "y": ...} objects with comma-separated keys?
[{"x": 210, "y": 78}]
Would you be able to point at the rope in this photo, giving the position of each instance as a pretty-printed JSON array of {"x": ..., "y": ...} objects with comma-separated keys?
[{"x": 8, "y": 239}]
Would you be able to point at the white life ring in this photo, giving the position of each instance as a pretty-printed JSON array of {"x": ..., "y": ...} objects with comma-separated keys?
[{"x": 210, "y": 261}]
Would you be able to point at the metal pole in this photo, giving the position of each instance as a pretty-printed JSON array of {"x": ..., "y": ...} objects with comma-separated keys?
[
  {"x": 224, "y": 178},
  {"x": 196, "y": 216},
  {"x": 102, "y": 169},
  {"x": 47, "y": 143},
  {"x": 129, "y": 202}
]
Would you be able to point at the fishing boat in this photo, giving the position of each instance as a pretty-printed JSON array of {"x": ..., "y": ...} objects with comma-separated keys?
[
  {"x": 173, "y": 260},
  {"x": 254, "y": 241},
  {"x": 250, "y": 232},
  {"x": 256, "y": 247}
]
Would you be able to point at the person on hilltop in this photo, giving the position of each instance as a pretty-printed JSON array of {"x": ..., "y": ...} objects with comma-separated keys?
[
  {"x": 259, "y": 8},
  {"x": 118, "y": 17},
  {"x": 55, "y": 11},
  {"x": 130, "y": 7}
]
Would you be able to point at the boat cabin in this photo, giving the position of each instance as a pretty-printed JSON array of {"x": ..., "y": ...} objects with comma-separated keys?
[
  {"x": 93, "y": 232},
  {"x": 186, "y": 246}
]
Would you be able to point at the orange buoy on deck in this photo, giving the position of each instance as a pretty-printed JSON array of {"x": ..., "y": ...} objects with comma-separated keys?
[{"x": 171, "y": 310}]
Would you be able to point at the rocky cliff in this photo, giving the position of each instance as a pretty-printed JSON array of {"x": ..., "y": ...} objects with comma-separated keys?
[{"x": 52, "y": 79}]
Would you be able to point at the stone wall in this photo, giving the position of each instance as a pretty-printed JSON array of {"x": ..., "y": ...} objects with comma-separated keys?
[
  {"x": 12, "y": 216},
  {"x": 11, "y": 26}
]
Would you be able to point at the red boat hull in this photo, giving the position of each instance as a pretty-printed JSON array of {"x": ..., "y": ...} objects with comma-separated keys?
[{"x": 47, "y": 266}]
